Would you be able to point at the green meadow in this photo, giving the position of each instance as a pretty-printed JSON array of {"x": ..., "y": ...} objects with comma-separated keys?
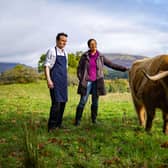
[{"x": 116, "y": 141}]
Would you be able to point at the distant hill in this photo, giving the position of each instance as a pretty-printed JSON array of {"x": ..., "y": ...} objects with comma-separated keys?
[
  {"x": 7, "y": 65},
  {"x": 123, "y": 59}
]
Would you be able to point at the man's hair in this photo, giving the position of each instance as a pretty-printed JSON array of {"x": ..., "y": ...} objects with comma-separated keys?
[
  {"x": 60, "y": 34},
  {"x": 90, "y": 40}
]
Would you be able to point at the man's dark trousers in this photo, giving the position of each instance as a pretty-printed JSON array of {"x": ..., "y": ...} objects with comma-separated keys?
[{"x": 56, "y": 112}]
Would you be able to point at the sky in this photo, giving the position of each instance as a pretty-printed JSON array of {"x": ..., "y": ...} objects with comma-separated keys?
[{"x": 28, "y": 27}]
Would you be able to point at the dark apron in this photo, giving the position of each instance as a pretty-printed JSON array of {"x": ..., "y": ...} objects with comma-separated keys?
[{"x": 59, "y": 77}]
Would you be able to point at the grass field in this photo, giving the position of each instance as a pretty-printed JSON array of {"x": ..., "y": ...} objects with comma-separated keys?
[{"x": 116, "y": 141}]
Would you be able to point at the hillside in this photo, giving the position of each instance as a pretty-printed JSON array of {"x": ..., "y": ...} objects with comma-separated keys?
[
  {"x": 6, "y": 65},
  {"x": 123, "y": 59}
]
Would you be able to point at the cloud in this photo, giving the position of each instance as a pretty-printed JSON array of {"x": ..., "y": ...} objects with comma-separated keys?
[{"x": 29, "y": 27}]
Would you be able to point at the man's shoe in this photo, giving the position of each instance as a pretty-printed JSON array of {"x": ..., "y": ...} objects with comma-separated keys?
[
  {"x": 61, "y": 127},
  {"x": 94, "y": 121},
  {"x": 53, "y": 129},
  {"x": 77, "y": 123}
]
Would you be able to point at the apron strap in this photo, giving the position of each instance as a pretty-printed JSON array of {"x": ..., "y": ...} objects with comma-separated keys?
[{"x": 56, "y": 52}]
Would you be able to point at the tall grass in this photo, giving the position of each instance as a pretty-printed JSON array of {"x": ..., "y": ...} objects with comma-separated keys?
[{"x": 30, "y": 144}]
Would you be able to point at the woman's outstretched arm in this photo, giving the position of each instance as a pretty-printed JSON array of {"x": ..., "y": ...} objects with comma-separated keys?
[{"x": 112, "y": 65}]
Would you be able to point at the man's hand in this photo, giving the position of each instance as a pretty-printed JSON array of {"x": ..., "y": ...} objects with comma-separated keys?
[
  {"x": 50, "y": 84},
  {"x": 49, "y": 81}
]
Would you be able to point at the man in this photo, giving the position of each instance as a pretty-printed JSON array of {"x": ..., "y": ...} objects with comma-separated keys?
[{"x": 56, "y": 74}]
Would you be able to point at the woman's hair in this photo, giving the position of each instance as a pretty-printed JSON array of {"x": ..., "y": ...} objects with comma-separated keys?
[{"x": 90, "y": 40}]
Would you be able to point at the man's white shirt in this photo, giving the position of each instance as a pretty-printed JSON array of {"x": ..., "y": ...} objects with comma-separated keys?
[{"x": 51, "y": 56}]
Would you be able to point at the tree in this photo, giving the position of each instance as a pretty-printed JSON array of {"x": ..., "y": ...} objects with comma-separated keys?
[
  {"x": 73, "y": 60},
  {"x": 41, "y": 63}
]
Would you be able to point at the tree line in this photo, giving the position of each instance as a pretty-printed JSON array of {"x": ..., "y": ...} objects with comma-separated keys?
[{"x": 25, "y": 74}]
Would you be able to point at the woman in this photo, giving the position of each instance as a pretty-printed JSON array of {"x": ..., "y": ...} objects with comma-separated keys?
[{"x": 91, "y": 79}]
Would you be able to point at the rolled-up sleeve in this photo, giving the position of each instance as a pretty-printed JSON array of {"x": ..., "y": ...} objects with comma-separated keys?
[
  {"x": 48, "y": 60},
  {"x": 67, "y": 60}
]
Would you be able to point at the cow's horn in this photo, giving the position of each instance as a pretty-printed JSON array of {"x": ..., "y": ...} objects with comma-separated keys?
[{"x": 156, "y": 77}]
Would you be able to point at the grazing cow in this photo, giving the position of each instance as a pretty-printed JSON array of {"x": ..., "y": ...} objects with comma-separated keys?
[{"x": 148, "y": 80}]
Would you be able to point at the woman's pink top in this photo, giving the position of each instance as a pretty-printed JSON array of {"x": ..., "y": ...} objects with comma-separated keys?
[{"x": 93, "y": 66}]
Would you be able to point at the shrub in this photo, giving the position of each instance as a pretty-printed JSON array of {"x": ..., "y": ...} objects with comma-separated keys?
[
  {"x": 72, "y": 80},
  {"x": 19, "y": 74},
  {"x": 117, "y": 85}
]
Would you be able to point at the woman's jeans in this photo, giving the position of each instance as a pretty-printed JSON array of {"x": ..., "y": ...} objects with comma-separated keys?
[{"x": 91, "y": 88}]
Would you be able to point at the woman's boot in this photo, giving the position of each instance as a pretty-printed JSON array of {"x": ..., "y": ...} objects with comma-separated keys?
[
  {"x": 78, "y": 117},
  {"x": 94, "y": 110}
]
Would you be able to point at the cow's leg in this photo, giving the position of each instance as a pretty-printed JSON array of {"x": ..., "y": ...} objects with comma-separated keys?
[
  {"x": 140, "y": 109},
  {"x": 150, "y": 117},
  {"x": 165, "y": 124}
]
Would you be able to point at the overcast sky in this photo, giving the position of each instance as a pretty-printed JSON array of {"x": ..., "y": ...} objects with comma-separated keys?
[{"x": 28, "y": 27}]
